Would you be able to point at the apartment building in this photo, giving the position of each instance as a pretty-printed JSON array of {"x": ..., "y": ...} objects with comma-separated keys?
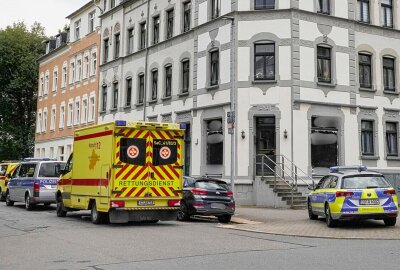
[
  {"x": 312, "y": 81},
  {"x": 68, "y": 84}
]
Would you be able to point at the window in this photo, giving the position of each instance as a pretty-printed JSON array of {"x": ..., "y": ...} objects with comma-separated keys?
[
  {"x": 170, "y": 23},
  {"x": 53, "y": 119},
  {"x": 77, "y": 112},
  {"x": 106, "y": 48},
  {"x": 130, "y": 41},
  {"x": 324, "y": 6},
  {"x": 324, "y": 64},
  {"x": 117, "y": 42},
  {"x": 142, "y": 36},
  {"x": 70, "y": 114},
  {"x": 187, "y": 14},
  {"x": 64, "y": 77},
  {"x": 86, "y": 67},
  {"x": 156, "y": 29},
  {"x": 141, "y": 88},
  {"x": 55, "y": 80},
  {"x": 44, "y": 120},
  {"x": 115, "y": 95},
  {"x": 39, "y": 123},
  {"x": 104, "y": 5},
  {"x": 94, "y": 64},
  {"x": 41, "y": 86},
  {"x": 128, "y": 92},
  {"x": 62, "y": 117},
  {"x": 92, "y": 15},
  {"x": 72, "y": 73},
  {"x": 84, "y": 111},
  {"x": 168, "y": 81},
  {"x": 364, "y": 62},
  {"x": 104, "y": 99},
  {"x": 367, "y": 138},
  {"x": 387, "y": 13},
  {"x": 363, "y": 10},
  {"x": 388, "y": 74},
  {"x": 78, "y": 70},
  {"x": 154, "y": 88},
  {"x": 112, "y": 4},
  {"x": 185, "y": 75},
  {"x": 391, "y": 139},
  {"x": 215, "y": 8},
  {"x": 214, "y": 68},
  {"x": 264, "y": 4},
  {"x": 77, "y": 29},
  {"x": 215, "y": 142},
  {"x": 91, "y": 109},
  {"x": 264, "y": 61},
  {"x": 46, "y": 84}
]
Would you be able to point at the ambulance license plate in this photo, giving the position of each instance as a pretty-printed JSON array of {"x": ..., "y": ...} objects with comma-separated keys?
[
  {"x": 146, "y": 203},
  {"x": 369, "y": 202}
]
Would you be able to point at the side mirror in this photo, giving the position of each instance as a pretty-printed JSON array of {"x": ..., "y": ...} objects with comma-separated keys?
[
  {"x": 8, "y": 175},
  {"x": 311, "y": 188}
]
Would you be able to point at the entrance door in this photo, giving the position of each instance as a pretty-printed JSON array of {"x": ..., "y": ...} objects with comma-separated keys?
[{"x": 265, "y": 143}]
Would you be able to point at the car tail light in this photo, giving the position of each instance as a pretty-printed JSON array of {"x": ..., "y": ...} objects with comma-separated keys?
[
  {"x": 6, "y": 183},
  {"x": 198, "y": 205},
  {"x": 229, "y": 194},
  {"x": 389, "y": 192},
  {"x": 174, "y": 203},
  {"x": 344, "y": 193},
  {"x": 36, "y": 189},
  {"x": 199, "y": 191},
  {"x": 117, "y": 204},
  {"x": 231, "y": 206}
]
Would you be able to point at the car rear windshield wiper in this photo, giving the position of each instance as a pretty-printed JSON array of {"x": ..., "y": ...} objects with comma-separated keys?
[{"x": 372, "y": 187}]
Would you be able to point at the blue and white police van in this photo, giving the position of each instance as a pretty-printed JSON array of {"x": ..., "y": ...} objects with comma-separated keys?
[{"x": 34, "y": 182}]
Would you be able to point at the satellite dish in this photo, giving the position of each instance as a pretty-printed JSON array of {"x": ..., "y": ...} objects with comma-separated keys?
[
  {"x": 318, "y": 138},
  {"x": 215, "y": 125},
  {"x": 215, "y": 138}
]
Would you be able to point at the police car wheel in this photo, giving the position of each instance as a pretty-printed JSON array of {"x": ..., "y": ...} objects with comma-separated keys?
[
  {"x": 60, "y": 208},
  {"x": 390, "y": 221},
  {"x": 330, "y": 222},
  {"x": 9, "y": 202},
  {"x": 310, "y": 213},
  {"x": 28, "y": 205}
]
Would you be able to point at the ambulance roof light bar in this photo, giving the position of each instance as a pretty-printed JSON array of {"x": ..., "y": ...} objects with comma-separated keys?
[{"x": 337, "y": 169}]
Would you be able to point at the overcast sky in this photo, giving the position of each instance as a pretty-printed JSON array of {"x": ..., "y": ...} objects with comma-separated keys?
[{"x": 50, "y": 13}]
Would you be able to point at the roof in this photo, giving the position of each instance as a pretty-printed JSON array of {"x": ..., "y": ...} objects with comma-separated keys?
[{"x": 90, "y": 3}]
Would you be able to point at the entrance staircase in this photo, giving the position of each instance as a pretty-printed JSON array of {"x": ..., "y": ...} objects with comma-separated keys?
[{"x": 285, "y": 178}]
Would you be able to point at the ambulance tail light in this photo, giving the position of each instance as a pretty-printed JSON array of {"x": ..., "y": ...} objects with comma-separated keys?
[
  {"x": 344, "y": 193},
  {"x": 174, "y": 203},
  {"x": 199, "y": 191},
  {"x": 6, "y": 183},
  {"x": 117, "y": 204},
  {"x": 36, "y": 189},
  {"x": 390, "y": 192}
]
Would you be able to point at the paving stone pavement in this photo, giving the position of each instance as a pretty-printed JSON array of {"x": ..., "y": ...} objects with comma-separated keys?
[{"x": 297, "y": 223}]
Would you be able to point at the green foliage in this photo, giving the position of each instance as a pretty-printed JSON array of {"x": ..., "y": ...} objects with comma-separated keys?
[{"x": 20, "y": 48}]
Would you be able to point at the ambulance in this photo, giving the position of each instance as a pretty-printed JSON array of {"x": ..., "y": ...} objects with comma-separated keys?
[
  {"x": 124, "y": 171},
  {"x": 7, "y": 169}
]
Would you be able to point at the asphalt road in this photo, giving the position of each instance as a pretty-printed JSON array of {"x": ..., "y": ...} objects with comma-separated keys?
[{"x": 40, "y": 240}]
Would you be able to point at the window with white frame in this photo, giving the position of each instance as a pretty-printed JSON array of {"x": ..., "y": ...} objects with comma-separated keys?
[
  {"x": 215, "y": 8},
  {"x": 84, "y": 111},
  {"x": 60, "y": 153},
  {"x": 128, "y": 100},
  {"x": 77, "y": 29},
  {"x": 264, "y": 4},
  {"x": 91, "y": 18},
  {"x": 39, "y": 122},
  {"x": 46, "y": 84},
  {"x": 117, "y": 44},
  {"x": 324, "y": 6},
  {"x": 115, "y": 96},
  {"x": 214, "y": 67},
  {"x": 78, "y": 70},
  {"x": 104, "y": 98},
  {"x": 187, "y": 16},
  {"x": 86, "y": 67},
  {"x": 91, "y": 108},
  {"x": 363, "y": 11},
  {"x": 70, "y": 114},
  {"x": 55, "y": 80},
  {"x": 64, "y": 76},
  {"x": 387, "y": 13},
  {"x": 389, "y": 77},
  {"x": 170, "y": 23},
  {"x": 51, "y": 155},
  {"x": 94, "y": 64},
  {"x": 53, "y": 119},
  {"x": 106, "y": 49},
  {"x": 367, "y": 138},
  {"x": 41, "y": 85},
  {"x": 62, "y": 117},
  {"x": 44, "y": 120},
  {"x": 72, "y": 73},
  {"x": 391, "y": 139},
  {"x": 77, "y": 112},
  {"x": 130, "y": 40}
]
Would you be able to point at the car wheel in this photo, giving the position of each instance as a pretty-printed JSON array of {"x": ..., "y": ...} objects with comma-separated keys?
[
  {"x": 46, "y": 204},
  {"x": 224, "y": 218},
  {"x": 96, "y": 216},
  {"x": 183, "y": 213},
  {"x": 390, "y": 221},
  {"x": 28, "y": 205},
  {"x": 310, "y": 213},
  {"x": 330, "y": 222},
  {"x": 60, "y": 208},
  {"x": 9, "y": 202}
]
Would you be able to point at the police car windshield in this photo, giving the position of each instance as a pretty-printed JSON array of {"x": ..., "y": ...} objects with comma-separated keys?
[
  {"x": 49, "y": 169},
  {"x": 364, "y": 181}
]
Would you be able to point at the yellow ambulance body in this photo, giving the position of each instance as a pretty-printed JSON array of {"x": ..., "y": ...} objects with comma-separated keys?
[
  {"x": 124, "y": 171},
  {"x": 6, "y": 170}
]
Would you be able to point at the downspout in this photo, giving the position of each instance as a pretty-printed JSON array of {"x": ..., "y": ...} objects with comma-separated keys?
[{"x": 146, "y": 60}]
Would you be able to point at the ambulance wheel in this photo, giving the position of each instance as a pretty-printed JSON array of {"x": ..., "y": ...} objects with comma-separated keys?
[
  {"x": 28, "y": 205},
  {"x": 183, "y": 214},
  {"x": 330, "y": 222},
  {"x": 9, "y": 202},
  {"x": 390, "y": 221},
  {"x": 96, "y": 216},
  {"x": 60, "y": 208},
  {"x": 310, "y": 212}
]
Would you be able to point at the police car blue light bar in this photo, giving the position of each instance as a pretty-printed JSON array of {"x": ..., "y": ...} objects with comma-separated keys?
[
  {"x": 39, "y": 159},
  {"x": 182, "y": 125},
  {"x": 337, "y": 169},
  {"x": 120, "y": 123}
]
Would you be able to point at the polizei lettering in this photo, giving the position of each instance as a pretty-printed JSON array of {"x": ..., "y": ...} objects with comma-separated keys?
[{"x": 153, "y": 183}]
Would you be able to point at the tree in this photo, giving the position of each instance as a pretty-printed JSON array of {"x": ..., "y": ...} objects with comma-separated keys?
[{"x": 19, "y": 50}]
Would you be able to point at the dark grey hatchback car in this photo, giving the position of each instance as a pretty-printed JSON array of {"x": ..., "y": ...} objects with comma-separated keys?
[{"x": 206, "y": 196}]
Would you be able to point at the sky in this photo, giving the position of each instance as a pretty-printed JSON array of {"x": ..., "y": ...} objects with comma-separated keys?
[{"x": 50, "y": 13}]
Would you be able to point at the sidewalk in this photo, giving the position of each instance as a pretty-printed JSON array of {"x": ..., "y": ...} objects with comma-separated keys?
[{"x": 297, "y": 223}]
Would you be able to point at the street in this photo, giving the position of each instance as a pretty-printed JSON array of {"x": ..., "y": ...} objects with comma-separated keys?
[{"x": 40, "y": 240}]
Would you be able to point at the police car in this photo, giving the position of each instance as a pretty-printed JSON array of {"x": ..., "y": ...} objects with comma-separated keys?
[
  {"x": 353, "y": 193},
  {"x": 34, "y": 182}
]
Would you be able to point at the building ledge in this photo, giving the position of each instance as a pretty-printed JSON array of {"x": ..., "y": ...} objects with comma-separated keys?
[{"x": 370, "y": 157}]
